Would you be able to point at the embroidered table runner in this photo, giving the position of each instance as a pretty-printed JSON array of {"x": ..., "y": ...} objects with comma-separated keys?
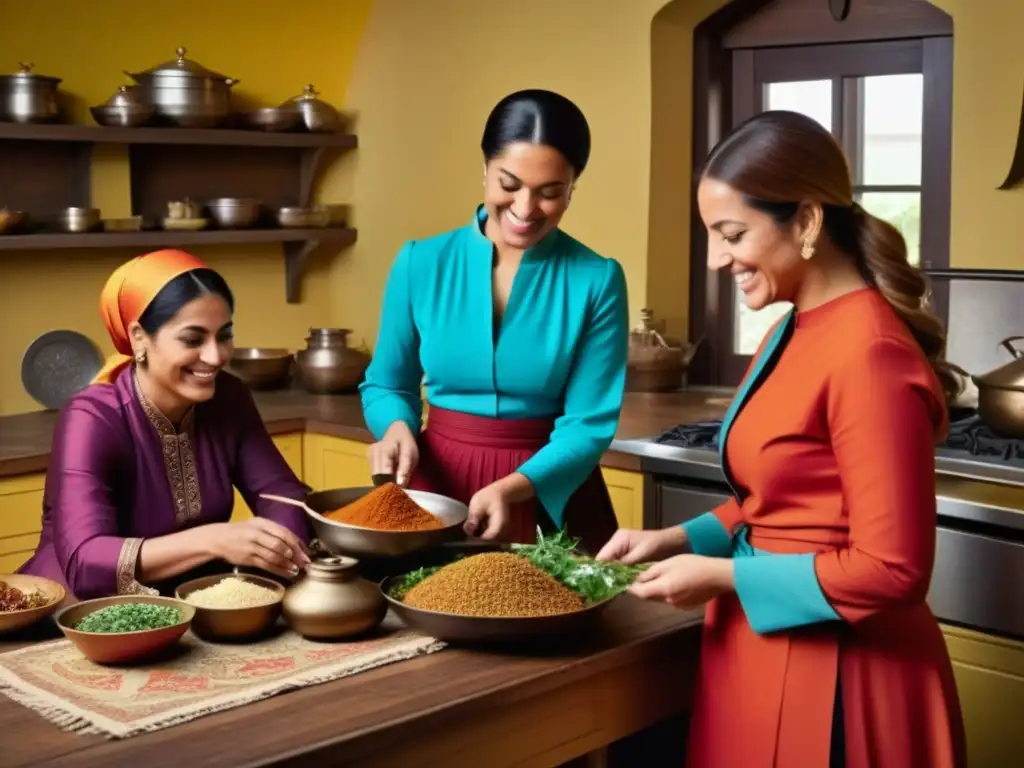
[{"x": 55, "y": 680}]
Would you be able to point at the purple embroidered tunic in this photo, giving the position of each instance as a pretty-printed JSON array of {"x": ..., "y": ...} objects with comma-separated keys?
[{"x": 120, "y": 473}]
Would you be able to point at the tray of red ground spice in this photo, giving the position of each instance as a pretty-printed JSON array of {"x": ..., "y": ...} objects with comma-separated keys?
[{"x": 387, "y": 521}]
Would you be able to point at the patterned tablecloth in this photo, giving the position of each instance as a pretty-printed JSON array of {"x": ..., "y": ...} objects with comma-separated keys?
[{"x": 55, "y": 680}]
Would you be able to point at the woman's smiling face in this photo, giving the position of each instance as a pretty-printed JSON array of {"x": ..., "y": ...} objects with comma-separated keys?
[
  {"x": 763, "y": 256},
  {"x": 526, "y": 191}
]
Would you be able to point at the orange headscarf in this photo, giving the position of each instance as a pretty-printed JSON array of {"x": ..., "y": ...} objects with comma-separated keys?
[{"x": 128, "y": 292}]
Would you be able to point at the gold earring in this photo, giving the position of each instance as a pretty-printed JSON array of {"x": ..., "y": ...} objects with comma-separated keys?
[
  {"x": 807, "y": 251},
  {"x": 140, "y": 358}
]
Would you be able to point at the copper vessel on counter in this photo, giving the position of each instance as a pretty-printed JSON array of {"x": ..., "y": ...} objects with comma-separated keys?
[
  {"x": 328, "y": 365},
  {"x": 654, "y": 365},
  {"x": 331, "y": 601},
  {"x": 1001, "y": 393}
]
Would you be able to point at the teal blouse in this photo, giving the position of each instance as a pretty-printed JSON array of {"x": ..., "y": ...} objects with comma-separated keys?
[{"x": 560, "y": 350}]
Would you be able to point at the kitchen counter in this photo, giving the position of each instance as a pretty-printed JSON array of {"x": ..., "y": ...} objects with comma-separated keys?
[
  {"x": 448, "y": 709},
  {"x": 25, "y": 438}
]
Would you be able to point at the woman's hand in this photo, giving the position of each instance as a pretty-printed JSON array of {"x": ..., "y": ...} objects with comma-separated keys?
[
  {"x": 631, "y": 546},
  {"x": 396, "y": 454},
  {"x": 686, "y": 581},
  {"x": 258, "y": 543},
  {"x": 489, "y": 513}
]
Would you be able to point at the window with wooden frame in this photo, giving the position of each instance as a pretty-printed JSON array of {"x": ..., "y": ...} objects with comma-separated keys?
[{"x": 886, "y": 95}]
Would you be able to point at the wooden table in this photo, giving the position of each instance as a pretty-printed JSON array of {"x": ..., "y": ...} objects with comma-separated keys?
[{"x": 456, "y": 708}]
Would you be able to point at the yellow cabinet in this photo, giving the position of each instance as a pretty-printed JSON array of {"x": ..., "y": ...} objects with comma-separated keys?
[
  {"x": 290, "y": 446},
  {"x": 21, "y": 515},
  {"x": 990, "y": 682},
  {"x": 627, "y": 492},
  {"x": 334, "y": 462}
]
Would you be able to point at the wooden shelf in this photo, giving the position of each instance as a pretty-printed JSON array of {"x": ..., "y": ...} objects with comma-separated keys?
[
  {"x": 45, "y": 168},
  {"x": 299, "y": 244},
  {"x": 340, "y": 236},
  {"x": 94, "y": 134}
]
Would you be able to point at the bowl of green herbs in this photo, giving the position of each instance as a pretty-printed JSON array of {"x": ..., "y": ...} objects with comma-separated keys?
[{"x": 125, "y": 628}]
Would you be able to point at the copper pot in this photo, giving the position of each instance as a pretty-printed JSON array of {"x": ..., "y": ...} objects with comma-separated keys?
[
  {"x": 1001, "y": 393},
  {"x": 331, "y": 601},
  {"x": 328, "y": 365},
  {"x": 653, "y": 364}
]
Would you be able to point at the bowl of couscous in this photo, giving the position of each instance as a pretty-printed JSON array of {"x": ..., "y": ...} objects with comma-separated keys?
[{"x": 232, "y": 607}]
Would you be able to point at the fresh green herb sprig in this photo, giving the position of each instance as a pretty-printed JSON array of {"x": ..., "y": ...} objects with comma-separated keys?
[
  {"x": 129, "y": 617},
  {"x": 410, "y": 580},
  {"x": 595, "y": 581}
]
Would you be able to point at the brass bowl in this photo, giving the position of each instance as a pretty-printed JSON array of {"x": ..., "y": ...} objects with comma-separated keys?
[
  {"x": 11, "y": 220},
  {"x": 270, "y": 119},
  {"x": 79, "y": 220},
  {"x": 485, "y": 630},
  {"x": 11, "y": 621},
  {"x": 292, "y": 217},
  {"x": 234, "y": 212},
  {"x": 261, "y": 368},
  {"x": 368, "y": 543},
  {"x": 123, "y": 647},
  {"x": 232, "y": 624}
]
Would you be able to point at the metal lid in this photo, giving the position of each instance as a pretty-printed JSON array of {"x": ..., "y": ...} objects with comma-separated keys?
[
  {"x": 26, "y": 75},
  {"x": 125, "y": 96},
  {"x": 183, "y": 67},
  {"x": 1009, "y": 376},
  {"x": 334, "y": 568},
  {"x": 309, "y": 93}
]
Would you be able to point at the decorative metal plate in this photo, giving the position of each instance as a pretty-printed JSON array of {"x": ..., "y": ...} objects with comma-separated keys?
[{"x": 57, "y": 365}]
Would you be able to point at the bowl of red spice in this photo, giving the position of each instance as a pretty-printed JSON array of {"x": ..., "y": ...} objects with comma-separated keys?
[
  {"x": 386, "y": 521},
  {"x": 26, "y": 600}
]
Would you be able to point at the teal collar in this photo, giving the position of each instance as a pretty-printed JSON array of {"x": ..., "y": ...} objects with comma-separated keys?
[{"x": 537, "y": 252}]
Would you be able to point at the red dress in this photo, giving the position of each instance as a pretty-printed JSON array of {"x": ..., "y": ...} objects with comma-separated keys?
[
  {"x": 461, "y": 453},
  {"x": 830, "y": 451}
]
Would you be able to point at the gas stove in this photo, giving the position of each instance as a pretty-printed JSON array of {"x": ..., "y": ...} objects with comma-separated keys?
[{"x": 970, "y": 450}]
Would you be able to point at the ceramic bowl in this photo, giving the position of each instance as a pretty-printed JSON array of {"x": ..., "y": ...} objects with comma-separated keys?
[
  {"x": 11, "y": 621},
  {"x": 232, "y": 624},
  {"x": 123, "y": 647}
]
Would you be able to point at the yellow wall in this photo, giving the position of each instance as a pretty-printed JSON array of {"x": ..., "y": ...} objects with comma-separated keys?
[
  {"x": 428, "y": 73},
  {"x": 273, "y": 48},
  {"x": 424, "y": 78}
]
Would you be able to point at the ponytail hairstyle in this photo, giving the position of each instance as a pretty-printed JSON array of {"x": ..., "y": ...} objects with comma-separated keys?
[{"x": 777, "y": 160}]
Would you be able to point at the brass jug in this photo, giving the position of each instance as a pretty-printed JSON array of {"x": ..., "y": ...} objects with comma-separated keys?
[{"x": 331, "y": 601}]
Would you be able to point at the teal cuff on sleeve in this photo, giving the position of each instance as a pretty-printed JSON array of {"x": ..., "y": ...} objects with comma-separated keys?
[
  {"x": 780, "y": 592},
  {"x": 707, "y": 536}
]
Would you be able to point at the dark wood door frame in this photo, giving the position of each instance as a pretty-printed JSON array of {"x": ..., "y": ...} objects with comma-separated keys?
[{"x": 713, "y": 115}]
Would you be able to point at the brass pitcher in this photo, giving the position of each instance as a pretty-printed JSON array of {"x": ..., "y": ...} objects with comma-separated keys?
[{"x": 331, "y": 601}]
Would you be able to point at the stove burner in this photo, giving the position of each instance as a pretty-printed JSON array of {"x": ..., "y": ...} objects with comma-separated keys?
[
  {"x": 972, "y": 436},
  {"x": 699, "y": 434}
]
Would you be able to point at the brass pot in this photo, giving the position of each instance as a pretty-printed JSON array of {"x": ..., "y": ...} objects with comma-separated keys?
[
  {"x": 1001, "y": 393},
  {"x": 317, "y": 115},
  {"x": 26, "y": 97},
  {"x": 328, "y": 365},
  {"x": 185, "y": 93},
  {"x": 331, "y": 601},
  {"x": 654, "y": 365}
]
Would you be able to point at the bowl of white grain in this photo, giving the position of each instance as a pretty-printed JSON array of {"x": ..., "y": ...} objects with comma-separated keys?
[{"x": 232, "y": 607}]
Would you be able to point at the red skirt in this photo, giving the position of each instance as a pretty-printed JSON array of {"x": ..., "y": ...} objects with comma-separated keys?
[{"x": 461, "y": 453}]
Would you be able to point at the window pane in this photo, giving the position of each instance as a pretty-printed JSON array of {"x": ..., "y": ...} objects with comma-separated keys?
[
  {"x": 749, "y": 327},
  {"x": 903, "y": 211},
  {"x": 892, "y": 119},
  {"x": 808, "y": 97}
]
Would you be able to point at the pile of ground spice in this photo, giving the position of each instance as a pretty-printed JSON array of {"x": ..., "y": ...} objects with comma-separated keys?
[
  {"x": 13, "y": 599},
  {"x": 494, "y": 584},
  {"x": 386, "y": 508}
]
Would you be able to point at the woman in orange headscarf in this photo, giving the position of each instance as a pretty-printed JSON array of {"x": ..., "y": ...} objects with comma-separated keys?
[{"x": 145, "y": 460}]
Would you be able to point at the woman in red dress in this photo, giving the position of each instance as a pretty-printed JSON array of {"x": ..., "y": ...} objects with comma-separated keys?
[{"x": 818, "y": 646}]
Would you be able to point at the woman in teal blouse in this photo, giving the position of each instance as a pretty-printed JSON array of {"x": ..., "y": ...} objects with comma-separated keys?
[{"x": 519, "y": 333}]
